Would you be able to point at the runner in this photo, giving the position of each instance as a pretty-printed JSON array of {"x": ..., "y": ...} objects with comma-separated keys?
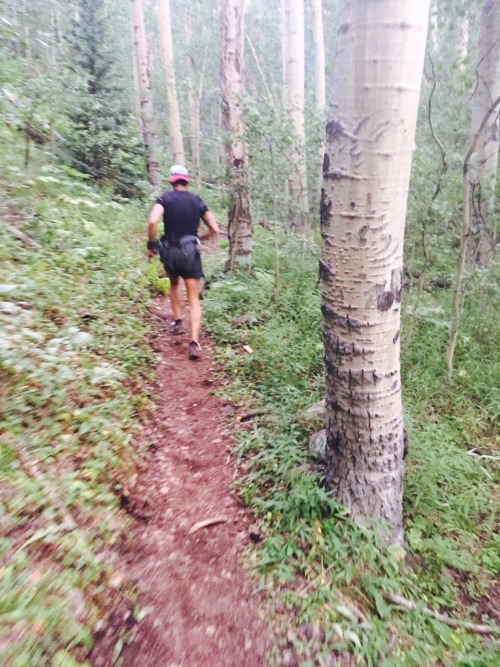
[{"x": 179, "y": 249}]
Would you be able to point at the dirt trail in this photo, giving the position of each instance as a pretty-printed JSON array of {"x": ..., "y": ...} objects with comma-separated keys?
[{"x": 202, "y": 610}]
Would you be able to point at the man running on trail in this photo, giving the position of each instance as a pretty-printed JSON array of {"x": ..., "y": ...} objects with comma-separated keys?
[{"x": 179, "y": 249}]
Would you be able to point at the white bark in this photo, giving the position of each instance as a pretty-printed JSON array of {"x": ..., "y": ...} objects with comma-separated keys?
[
  {"x": 319, "y": 54},
  {"x": 176, "y": 141},
  {"x": 193, "y": 103},
  {"x": 484, "y": 161},
  {"x": 297, "y": 182},
  {"x": 232, "y": 90},
  {"x": 144, "y": 83},
  {"x": 370, "y": 140},
  {"x": 284, "y": 29},
  {"x": 319, "y": 75}
]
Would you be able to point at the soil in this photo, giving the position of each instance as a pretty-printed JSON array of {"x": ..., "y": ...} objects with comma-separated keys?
[
  {"x": 488, "y": 607},
  {"x": 201, "y": 607}
]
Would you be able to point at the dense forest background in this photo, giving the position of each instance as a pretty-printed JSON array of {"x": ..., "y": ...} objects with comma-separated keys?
[{"x": 86, "y": 143}]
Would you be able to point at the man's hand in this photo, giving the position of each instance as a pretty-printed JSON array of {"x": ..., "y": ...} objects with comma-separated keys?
[
  {"x": 211, "y": 223},
  {"x": 154, "y": 217},
  {"x": 152, "y": 248}
]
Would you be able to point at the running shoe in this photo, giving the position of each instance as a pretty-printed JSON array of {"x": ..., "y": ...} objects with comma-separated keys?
[
  {"x": 194, "y": 350},
  {"x": 177, "y": 327}
]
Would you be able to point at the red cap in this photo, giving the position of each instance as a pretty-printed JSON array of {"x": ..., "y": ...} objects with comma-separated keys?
[{"x": 179, "y": 173}]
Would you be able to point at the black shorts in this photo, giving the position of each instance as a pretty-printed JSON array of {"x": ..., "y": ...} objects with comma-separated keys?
[{"x": 182, "y": 257}]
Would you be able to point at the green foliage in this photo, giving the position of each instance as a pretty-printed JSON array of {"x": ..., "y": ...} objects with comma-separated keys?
[
  {"x": 325, "y": 575},
  {"x": 73, "y": 361},
  {"x": 102, "y": 141}
]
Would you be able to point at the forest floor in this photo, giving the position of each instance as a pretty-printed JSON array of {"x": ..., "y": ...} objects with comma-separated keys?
[{"x": 199, "y": 605}]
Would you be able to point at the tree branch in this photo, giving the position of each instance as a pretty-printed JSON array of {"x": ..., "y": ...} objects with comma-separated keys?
[{"x": 408, "y": 605}]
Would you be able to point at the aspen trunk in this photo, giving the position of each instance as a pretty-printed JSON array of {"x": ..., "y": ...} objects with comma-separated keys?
[
  {"x": 232, "y": 49},
  {"x": 284, "y": 30},
  {"x": 195, "y": 90},
  {"x": 319, "y": 74},
  {"x": 285, "y": 95},
  {"x": 144, "y": 83},
  {"x": 484, "y": 162},
  {"x": 366, "y": 171},
  {"x": 297, "y": 182},
  {"x": 176, "y": 142},
  {"x": 319, "y": 55}
]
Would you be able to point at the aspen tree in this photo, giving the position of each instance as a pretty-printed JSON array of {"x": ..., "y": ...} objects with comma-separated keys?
[
  {"x": 319, "y": 55},
  {"x": 144, "y": 83},
  {"x": 284, "y": 30},
  {"x": 232, "y": 50},
  {"x": 319, "y": 70},
  {"x": 174, "y": 118},
  {"x": 484, "y": 161},
  {"x": 294, "y": 53},
  {"x": 369, "y": 144}
]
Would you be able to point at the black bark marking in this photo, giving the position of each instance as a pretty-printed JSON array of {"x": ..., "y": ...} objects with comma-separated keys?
[
  {"x": 397, "y": 283},
  {"x": 353, "y": 378},
  {"x": 385, "y": 301},
  {"x": 369, "y": 199},
  {"x": 340, "y": 348},
  {"x": 352, "y": 204},
  {"x": 355, "y": 152},
  {"x": 324, "y": 272},
  {"x": 334, "y": 129},
  {"x": 362, "y": 235},
  {"x": 325, "y": 209},
  {"x": 361, "y": 124},
  {"x": 326, "y": 163},
  {"x": 395, "y": 338},
  {"x": 340, "y": 320},
  {"x": 334, "y": 175},
  {"x": 345, "y": 27}
]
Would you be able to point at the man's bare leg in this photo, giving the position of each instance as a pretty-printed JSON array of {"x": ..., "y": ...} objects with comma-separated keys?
[
  {"x": 175, "y": 298},
  {"x": 193, "y": 295}
]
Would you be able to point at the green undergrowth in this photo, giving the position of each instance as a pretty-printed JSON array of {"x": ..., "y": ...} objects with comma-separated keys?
[
  {"x": 326, "y": 576},
  {"x": 73, "y": 361}
]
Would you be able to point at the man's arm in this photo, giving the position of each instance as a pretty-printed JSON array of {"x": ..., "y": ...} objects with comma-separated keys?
[
  {"x": 213, "y": 228},
  {"x": 155, "y": 215}
]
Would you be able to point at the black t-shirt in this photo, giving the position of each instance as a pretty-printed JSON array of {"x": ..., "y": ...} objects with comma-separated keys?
[{"x": 182, "y": 211}]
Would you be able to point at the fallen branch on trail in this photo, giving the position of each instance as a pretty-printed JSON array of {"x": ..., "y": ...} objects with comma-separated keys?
[
  {"x": 408, "y": 605},
  {"x": 22, "y": 237},
  {"x": 207, "y": 522},
  {"x": 250, "y": 415}
]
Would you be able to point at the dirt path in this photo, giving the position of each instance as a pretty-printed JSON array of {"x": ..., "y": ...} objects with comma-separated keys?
[{"x": 201, "y": 608}]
